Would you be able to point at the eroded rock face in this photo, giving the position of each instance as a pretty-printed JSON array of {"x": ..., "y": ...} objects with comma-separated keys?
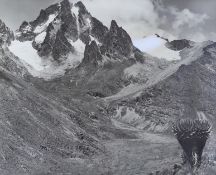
[
  {"x": 44, "y": 14},
  {"x": 117, "y": 42},
  {"x": 27, "y": 31},
  {"x": 82, "y": 8},
  {"x": 61, "y": 46},
  {"x": 84, "y": 22},
  {"x": 69, "y": 26},
  {"x": 59, "y": 33},
  {"x": 92, "y": 55},
  {"x": 6, "y": 35},
  {"x": 98, "y": 30},
  {"x": 178, "y": 45},
  {"x": 45, "y": 48}
]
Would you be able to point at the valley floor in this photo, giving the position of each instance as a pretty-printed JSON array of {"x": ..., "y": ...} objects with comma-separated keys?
[{"x": 147, "y": 154}]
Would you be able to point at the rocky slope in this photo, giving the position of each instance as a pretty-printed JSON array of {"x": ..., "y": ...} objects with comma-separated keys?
[
  {"x": 6, "y": 35},
  {"x": 162, "y": 100}
]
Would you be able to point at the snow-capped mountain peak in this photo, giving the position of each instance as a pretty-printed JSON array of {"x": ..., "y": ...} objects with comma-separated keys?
[{"x": 62, "y": 31}]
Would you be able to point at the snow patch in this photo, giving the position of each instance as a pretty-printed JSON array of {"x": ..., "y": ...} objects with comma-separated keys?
[
  {"x": 52, "y": 69},
  {"x": 74, "y": 60},
  {"x": 40, "y": 38},
  {"x": 79, "y": 46},
  {"x": 43, "y": 26},
  {"x": 127, "y": 115},
  {"x": 121, "y": 125},
  {"x": 155, "y": 46},
  {"x": 94, "y": 39},
  {"x": 75, "y": 11},
  {"x": 87, "y": 20},
  {"x": 26, "y": 53},
  {"x": 28, "y": 28},
  {"x": 43, "y": 68}
]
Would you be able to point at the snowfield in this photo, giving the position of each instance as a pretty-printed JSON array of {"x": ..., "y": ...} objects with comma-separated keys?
[
  {"x": 40, "y": 38},
  {"x": 155, "y": 46},
  {"x": 27, "y": 54},
  {"x": 129, "y": 117},
  {"x": 45, "y": 68},
  {"x": 79, "y": 46}
]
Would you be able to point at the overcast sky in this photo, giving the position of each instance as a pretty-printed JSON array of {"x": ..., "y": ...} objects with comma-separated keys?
[{"x": 190, "y": 19}]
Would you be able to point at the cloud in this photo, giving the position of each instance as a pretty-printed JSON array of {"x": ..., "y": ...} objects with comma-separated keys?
[
  {"x": 182, "y": 23},
  {"x": 187, "y": 18},
  {"x": 156, "y": 47},
  {"x": 138, "y": 17},
  {"x": 146, "y": 17}
]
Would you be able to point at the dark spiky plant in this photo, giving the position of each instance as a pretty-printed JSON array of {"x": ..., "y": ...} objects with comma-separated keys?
[{"x": 192, "y": 136}]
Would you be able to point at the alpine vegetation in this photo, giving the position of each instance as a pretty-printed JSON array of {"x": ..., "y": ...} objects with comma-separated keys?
[{"x": 192, "y": 136}]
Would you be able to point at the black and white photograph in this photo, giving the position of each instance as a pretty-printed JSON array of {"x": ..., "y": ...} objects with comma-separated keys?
[{"x": 107, "y": 87}]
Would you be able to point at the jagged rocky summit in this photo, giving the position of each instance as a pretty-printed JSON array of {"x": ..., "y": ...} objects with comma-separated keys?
[{"x": 64, "y": 28}]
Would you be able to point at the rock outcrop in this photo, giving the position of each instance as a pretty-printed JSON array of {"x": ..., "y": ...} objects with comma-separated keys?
[
  {"x": 92, "y": 55},
  {"x": 117, "y": 42},
  {"x": 178, "y": 45},
  {"x": 6, "y": 35}
]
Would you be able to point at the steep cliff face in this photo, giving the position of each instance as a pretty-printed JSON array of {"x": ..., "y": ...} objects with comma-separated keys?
[
  {"x": 117, "y": 42},
  {"x": 28, "y": 30},
  {"x": 98, "y": 31},
  {"x": 92, "y": 55},
  {"x": 6, "y": 35}
]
